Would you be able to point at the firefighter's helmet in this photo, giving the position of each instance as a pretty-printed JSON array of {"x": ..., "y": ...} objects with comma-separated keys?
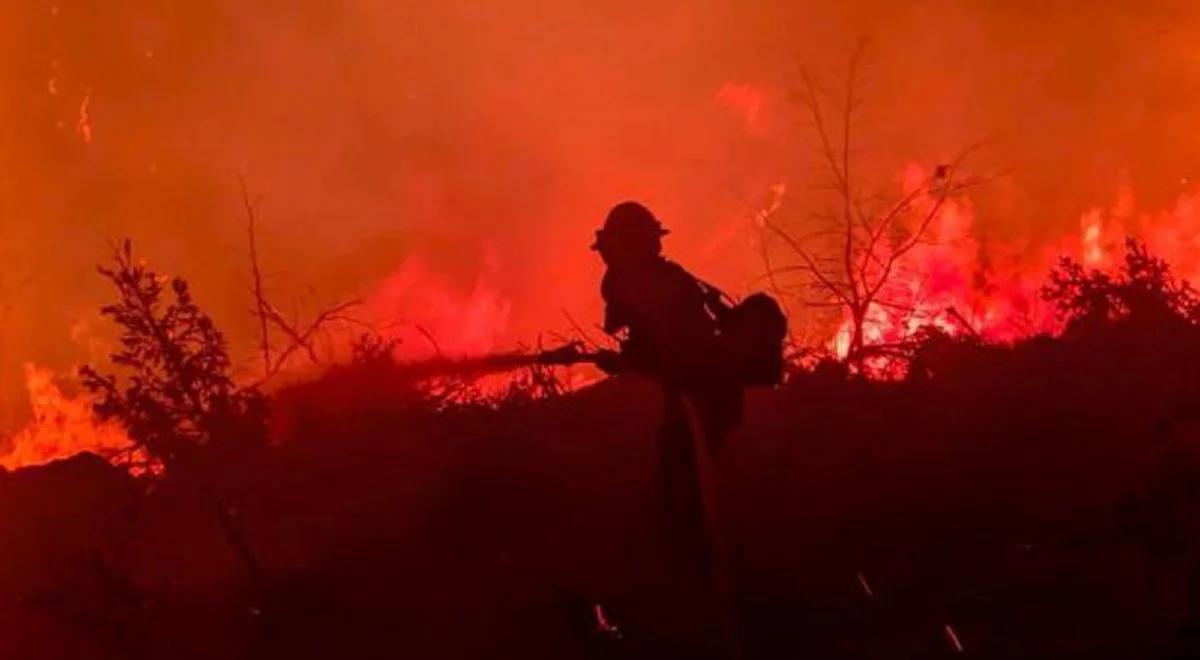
[{"x": 630, "y": 226}]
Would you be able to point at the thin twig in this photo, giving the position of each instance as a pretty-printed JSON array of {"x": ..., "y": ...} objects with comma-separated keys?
[
  {"x": 259, "y": 297},
  {"x": 432, "y": 340}
]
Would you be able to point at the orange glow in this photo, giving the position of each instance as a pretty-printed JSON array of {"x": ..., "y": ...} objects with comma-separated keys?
[
  {"x": 448, "y": 162},
  {"x": 432, "y": 318},
  {"x": 746, "y": 102}
]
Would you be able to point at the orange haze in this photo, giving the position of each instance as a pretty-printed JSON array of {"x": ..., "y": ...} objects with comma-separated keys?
[{"x": 447, "y": 161}]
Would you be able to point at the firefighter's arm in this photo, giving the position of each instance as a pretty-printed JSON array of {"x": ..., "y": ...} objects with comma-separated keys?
[
  {"x": 615, "y": 319},
  {"x": 616, "y": 325},
  {"x": 611, "y": 362}
]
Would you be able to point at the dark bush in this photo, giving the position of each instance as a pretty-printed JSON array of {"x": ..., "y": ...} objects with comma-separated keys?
[{"x": 177, "y": 395}]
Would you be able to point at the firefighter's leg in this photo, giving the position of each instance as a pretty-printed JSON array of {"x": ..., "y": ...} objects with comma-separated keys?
[
  {"x": 683, "y": 518},
  {"x": 719, "y": 406},
  {"x": 688, "y": 539}
]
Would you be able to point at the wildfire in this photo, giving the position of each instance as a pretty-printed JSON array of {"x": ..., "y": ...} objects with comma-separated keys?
[
  {"x": 954, "y": 283},
  {"x": 431, "y": 318},
  {"x": 60, "y": 425}
]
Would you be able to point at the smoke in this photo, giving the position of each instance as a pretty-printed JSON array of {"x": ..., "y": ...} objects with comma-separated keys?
[{"x": 484, "y": 141}]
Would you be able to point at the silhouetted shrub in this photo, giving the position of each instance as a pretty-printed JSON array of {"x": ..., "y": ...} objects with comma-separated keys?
[
  {"x": 177, "y": 396},
  {"x": 372, "y": 348},
  {"x": 1143, "y": 289}
]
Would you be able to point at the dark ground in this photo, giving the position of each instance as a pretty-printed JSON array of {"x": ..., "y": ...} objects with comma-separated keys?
[{"x": 1040, "y": 500}]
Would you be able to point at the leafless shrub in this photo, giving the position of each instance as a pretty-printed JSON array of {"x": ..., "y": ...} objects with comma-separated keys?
[{"x": 852, "y": 261}]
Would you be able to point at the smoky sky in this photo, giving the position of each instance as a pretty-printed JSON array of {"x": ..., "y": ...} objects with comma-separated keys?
[{"x": 487, "y": 139}]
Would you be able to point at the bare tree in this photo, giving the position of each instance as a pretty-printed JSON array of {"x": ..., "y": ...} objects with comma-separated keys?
[
  {"x": 299, "y": 336},
  {"x": 866, "y": 237}
]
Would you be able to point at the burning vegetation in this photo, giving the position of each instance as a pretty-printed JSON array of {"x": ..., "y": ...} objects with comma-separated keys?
[
  {"x": 915, "y": 270},
  {"x": 61, "y": 426}
]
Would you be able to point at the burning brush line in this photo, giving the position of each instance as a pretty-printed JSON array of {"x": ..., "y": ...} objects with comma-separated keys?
[
  {"x": 964, "y": 287},
  {"x": 955, "y": 283}
]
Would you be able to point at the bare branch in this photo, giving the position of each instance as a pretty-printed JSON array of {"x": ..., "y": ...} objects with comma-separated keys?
[
  {"x": 299, "y": 337},
  {"x": 256, "y": 273},
  {"x": 580, "y": 331},
  {"x": 303, "y": 338},
  {"x": 810, "y": 263},
  {"x": 432, "y": 340}
]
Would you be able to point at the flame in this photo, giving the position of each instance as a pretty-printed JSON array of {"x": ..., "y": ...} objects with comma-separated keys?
[
  {"x": 432, "y": 318},
  {"x": 944, "y": 282},
  {"x": 60, "y": 426},
  {"x": 957, "y": 284},
  {"x": 746, "y": 102}
]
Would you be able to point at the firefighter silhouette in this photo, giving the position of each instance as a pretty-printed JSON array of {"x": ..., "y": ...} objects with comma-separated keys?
[
  {"x": 667, "y": 322},
  {"x": 702, "y": 349}
]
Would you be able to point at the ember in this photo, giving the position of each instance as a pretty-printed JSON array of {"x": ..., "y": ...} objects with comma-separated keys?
[{"x": 952, "y": 639}]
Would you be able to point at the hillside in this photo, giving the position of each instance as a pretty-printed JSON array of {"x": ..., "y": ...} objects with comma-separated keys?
[{"x": 1038, "y": 500}]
